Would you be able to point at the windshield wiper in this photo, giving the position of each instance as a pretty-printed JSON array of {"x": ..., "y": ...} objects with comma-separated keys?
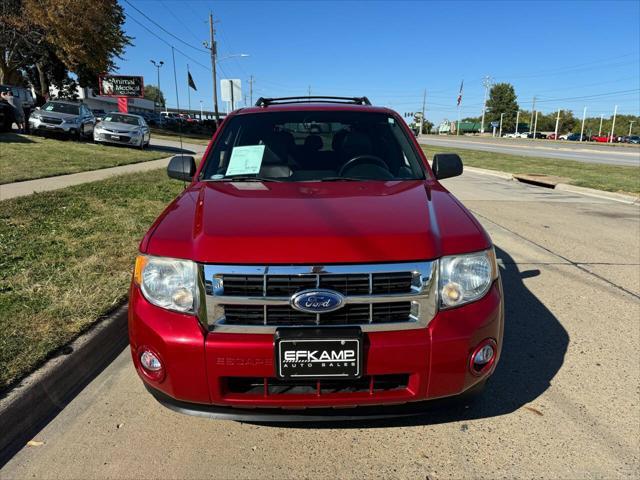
[{"x": 244, "y": 178}]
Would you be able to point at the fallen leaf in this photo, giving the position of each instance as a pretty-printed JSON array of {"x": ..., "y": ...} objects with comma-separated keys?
[
  {"x": 34, "y": 443},
  {"x": 535, "y": 410},
  {"x": 120, "y": 425}
]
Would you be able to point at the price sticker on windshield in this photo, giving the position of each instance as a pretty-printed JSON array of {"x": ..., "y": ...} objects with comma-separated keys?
[{"x": 245, "y": 160}]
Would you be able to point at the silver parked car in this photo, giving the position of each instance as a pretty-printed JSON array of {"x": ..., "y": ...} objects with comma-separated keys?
[
  {"x": 123, "y": 129},
  {"x": 59, "y": 116}
]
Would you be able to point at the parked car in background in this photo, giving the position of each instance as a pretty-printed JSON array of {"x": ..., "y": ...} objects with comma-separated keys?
[
  {"x": 123, "y": 129},
  {"x": 551, "y": 136},
  {"x": 575, "y": 137},
  {"x": 153, "y": 119},
  {"x": 599, "y": 138},
  {"x": 62, "y": 116},
  {"x": 98, "y": 113},
  {"x": 170, "y": 118},
  {"x": 563, "y": 137},
  {"x": 635, "y": 139},
  {"x": 536, "y": 135},
  {"x": 522, "y": 135}
]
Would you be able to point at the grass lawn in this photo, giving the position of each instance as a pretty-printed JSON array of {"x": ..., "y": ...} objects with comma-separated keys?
[
  {"x": 186, "y": 137},
  {"x": 26, "y": 157},
  {"x": 66, "y": 258},
  {"x": 612, "y": 178}
]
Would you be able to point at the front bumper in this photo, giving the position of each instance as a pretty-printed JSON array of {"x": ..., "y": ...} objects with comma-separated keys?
[
  {"x": 201, "y": 366},
  {"x": 115, "y": 138},
  {"x": 64, "y": 127}
]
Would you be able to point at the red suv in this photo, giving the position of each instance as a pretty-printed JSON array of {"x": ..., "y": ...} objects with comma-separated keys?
[{"x": 314, "y": 262}]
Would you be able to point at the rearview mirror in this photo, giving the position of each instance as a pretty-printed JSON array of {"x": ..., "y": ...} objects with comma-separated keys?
[
  {"x": 182, "y": 167},
  {"x": 446, "y": 165}
]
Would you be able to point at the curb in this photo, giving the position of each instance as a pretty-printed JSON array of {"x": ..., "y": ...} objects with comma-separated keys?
[
  {"x": 564, "y": 187},
  {"x": 44, "y": 393},
  {"x": 493, "y": 173},
  {"x": 592, "y": 192}
]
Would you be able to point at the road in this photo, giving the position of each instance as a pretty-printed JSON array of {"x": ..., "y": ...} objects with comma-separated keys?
[
  {"x": 563, "y": 403},
  {"x": 581, "y": 152}
]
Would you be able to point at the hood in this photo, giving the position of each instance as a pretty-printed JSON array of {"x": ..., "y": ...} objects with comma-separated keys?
[
  {"x": 62, "y": 116},
  {"x": 121, "y": 127},
  {"x": 313, "y": 223}
]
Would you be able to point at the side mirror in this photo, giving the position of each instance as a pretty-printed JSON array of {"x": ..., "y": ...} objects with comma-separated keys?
[
  {"x": 182, "y": 167},
  {"x": 446, "y": 165}
]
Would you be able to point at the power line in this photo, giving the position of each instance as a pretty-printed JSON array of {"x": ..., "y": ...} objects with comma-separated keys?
[
  {"x": 166, "y": 43},
  {"x": 179, "y": 21},
  {"x": 200, "y": 49}
]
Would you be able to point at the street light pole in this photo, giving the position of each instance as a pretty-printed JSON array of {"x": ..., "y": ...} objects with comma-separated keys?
[
  {"x": 631, "y": 122},
  {"x": 535, "y": 126},
  {"x": 157, "y": 65},
  {"x": 500, "y": 134},
  {"x": 555, "y": 135},
  {"x": 487, "y": 84},
  {"x": 517, "y": 119},
  {"x": 600, "y": 129},
  {"x": 613, "y": 126},
  {"x": 584, "y": 116}
]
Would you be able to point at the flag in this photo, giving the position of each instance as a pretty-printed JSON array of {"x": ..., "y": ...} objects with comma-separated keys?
[
  {"x": 190, "y": 81},
  {"x": 460, "y": 94}
]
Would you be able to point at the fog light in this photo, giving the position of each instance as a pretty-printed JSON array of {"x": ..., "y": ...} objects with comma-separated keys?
[
  {"x": 483, "y": 357},
  {"x": 150, "y": 362}
]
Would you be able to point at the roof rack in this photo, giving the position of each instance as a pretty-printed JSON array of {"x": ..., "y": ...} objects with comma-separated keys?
[{"x": 265, "y": 102}]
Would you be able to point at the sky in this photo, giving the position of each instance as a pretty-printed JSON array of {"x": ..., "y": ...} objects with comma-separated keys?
[{"x": 569, "y": 55}]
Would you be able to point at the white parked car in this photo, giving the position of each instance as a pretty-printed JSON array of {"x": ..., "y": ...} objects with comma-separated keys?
[
  {"x": 510, "y": 135},
  {"x": 122, "y": 129}
]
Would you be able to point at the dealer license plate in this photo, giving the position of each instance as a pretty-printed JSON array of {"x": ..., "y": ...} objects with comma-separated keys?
[{"x": 323, "y": 355}]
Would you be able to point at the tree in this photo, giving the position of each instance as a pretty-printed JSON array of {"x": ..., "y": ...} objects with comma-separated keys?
[
  {"x": 502, "y": 99},
  {"x": 151, "y": 92},
  {"x": 44, "y": 40}
]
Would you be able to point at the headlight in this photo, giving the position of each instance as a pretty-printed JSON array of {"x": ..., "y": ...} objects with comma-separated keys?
[
  {"x": 466, "y": 278},
  {"x": 36, "y": 115},
  {"x": 168, "y": 283}
]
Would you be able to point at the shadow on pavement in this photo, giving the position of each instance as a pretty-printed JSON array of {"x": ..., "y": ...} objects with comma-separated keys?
[
  {"x": 14, "y": 138},
  {"x": 533, "y": 352}
]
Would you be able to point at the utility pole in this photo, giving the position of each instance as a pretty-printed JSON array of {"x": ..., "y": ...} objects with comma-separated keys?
[
  {"x": 613, "y": 126},
  {"x": 600, "y": 129},
  {"x": 214, "y": 53},
  {"x": 424, "y": 103},
  {"x": 201, "y": 112},
  {"x": 517, "y": 118},
  {"x": 487, "y": 85},
  {"x": 535, "y": 126},
  {"x": 631, "y": 122},
  {"x": 555, "y": 136},
  {"x": 500, "y": 134},
  {"x": 157, "y": 65},
  {"x": 584, "y": 116},
  {"x": 251, "y": 80},
  {"x": 533, "y": 109}
]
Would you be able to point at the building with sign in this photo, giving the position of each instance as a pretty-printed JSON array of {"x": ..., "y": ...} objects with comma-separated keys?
[{"x": 107, "y": 103}]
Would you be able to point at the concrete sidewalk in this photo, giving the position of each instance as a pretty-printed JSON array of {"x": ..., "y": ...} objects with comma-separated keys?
[
  {"x": 29, "y": 187},
  {"x": 21, "y": 189}
]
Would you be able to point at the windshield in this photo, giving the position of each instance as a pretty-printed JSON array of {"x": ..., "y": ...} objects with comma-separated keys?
[
  {"x": 119, "y": 118},
  {"x": 61, "y": 108},
  {"x": 313, "y": 146}
]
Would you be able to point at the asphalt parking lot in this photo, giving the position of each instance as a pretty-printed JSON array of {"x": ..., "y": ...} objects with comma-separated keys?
[{"x": 563, "y": 403}]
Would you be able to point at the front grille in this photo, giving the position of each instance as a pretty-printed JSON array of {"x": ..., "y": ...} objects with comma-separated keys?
[
  {"x": 376, "y": 297},
  {"x": 351, "y": 314},
  {"x": 287, "y": 285},
  {"x": 274, "y": 386},
  {"x": 51, "y": 120}
]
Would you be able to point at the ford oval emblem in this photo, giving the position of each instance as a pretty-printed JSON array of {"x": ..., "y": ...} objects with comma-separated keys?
[{"x": 317, "y": 301}]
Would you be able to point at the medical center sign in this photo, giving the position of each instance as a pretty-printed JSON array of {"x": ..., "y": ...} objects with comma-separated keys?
[{"x": 121, "y": 86}]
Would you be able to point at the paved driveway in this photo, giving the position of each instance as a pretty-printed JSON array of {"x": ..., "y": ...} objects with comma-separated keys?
[{"x": 563, "y": 403}]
